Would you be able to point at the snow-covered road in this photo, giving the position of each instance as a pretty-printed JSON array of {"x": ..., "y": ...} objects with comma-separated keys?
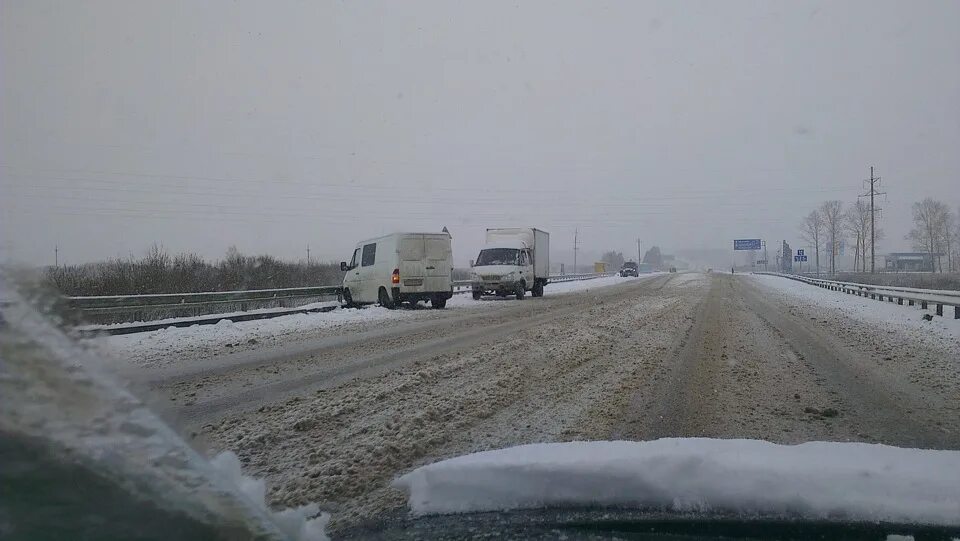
[{"x": 332, "y": 407}]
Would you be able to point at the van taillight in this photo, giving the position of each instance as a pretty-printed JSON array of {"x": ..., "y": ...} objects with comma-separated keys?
[{"x": 396, "y": 276}]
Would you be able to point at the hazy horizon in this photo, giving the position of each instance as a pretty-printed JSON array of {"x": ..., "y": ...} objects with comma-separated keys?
[{"x": 273, "y": 126}]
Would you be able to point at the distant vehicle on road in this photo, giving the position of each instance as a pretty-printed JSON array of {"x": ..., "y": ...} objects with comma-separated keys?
[
  {"x": 673, "y": 269},
  {"x": 629, "y": 268},
  {"x": 513, "y": 261},
  {"x": 400, "y": 267}
]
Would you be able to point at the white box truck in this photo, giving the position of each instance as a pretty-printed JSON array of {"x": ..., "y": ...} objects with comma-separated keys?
[
  {"x": 513, "y": 261},
  {"x": 400, "y": 267}
]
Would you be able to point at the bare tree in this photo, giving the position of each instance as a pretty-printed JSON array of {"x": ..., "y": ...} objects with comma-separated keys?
[
  {"x": 832, "y": 213},
  {"x": 857, "y": 223},
  {"x": 811, "y": 229},
  {"x": 950, "y": 231},
  {"x": 878, "y": 236},
  {"x": 956, "y": 240},
  {"x": 930, "y": 226}
]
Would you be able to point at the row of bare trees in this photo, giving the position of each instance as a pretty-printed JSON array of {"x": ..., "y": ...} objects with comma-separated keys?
[
  {"x": 936, "y": 231},
  {"x": 831, "y": 224},
  {"x": 161, "y": 272}
]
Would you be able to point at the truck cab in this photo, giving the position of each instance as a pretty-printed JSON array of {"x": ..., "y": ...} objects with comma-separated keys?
[{"x": 512, "y": 262}]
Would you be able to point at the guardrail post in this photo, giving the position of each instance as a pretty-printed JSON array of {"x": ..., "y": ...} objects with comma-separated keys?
[
  {"x": 900, "y": 301},
  {"x": 939, "y": 309},
  {"x": 956, "y": 312},
  {"x": 923, "y": 304},
  {"x": 910, "y": 302}
]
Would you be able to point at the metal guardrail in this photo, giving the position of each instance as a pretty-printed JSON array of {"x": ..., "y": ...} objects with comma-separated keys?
[
  {"x": 144, "y": 305},
  {"x": 913, "y": 296},
  {"x": 121, "y": 303}
]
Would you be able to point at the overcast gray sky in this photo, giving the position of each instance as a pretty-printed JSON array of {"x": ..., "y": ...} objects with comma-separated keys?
[{"x": 273, "y": 125}]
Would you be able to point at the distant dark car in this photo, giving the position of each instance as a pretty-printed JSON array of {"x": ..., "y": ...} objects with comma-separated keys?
[
  {"x": 629, "y": 269},
  {"x": 673, "y": 269}
]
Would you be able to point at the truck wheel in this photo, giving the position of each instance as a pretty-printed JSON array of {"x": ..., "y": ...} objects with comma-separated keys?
[
  {"x": 537, "y": 289},
  {"x": 477, "y": 294},
  {"x": 438, "y": 302},
  {"x": 347, "y": 299},
  {"x": 521, "y": 290},
  {"x": 384, "y": 299}
]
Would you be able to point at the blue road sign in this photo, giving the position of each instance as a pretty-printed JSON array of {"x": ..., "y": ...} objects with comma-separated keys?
[
  {"x": 800, "y": 252},
  {"x": 800, "y": 258},
  {"x": 746, "y": 244}
]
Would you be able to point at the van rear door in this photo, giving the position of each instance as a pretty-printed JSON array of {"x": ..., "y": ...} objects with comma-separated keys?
[
  {"x": 439, "y": 262},
  {"x": 412, "y": 260}
]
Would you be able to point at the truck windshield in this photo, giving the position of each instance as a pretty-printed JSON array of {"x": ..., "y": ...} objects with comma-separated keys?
[{"x": 498, "y": 256}]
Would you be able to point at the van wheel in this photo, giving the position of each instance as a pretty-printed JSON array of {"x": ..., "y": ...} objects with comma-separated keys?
[
  {"x": 384, "y": 299},
  {"x": 521, "y": 290},
  {"x": 438, "y": 302},
  {"x": 347, "y": 299},
  {"x": 537, "y": 289},
  {"x": 477, "y": 294}
]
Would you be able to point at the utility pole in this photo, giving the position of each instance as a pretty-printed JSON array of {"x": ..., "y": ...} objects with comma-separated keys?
[
  {"x": 639, "y": 253},
  {"x": 56, "y": 256},
  {"x": 873, "y": 235},
  {"x": 575, "y": 234},
  {"x": 308, "y": 255}
]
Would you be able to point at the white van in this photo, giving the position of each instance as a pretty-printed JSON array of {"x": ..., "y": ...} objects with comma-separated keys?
[{"x": 401, "y": 267}]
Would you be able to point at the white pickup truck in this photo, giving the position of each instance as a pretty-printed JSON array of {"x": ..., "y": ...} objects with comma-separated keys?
[{"x": 513, "y": 261}]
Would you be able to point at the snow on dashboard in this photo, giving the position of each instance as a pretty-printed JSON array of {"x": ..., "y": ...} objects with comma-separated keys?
[{"x": 817, "y": 480}]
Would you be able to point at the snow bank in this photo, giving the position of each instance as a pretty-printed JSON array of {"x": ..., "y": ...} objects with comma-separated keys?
[
  {"x": 863, "y": 308},
  {"x": 856, "y": 481},
  {"x": 167, "y": 345},
  {"x": 584, "y": 285},
  {"x": 294, "y": 522},
  {"x": 173, "y": 320},
  {"x": 160, "y": 347}
]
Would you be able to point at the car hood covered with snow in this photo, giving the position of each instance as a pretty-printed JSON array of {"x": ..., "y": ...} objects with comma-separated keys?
[{"x": 816, "y": 480}]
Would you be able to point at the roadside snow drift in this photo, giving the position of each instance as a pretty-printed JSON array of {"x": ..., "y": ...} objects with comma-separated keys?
[{"x": 855, "y": 481}]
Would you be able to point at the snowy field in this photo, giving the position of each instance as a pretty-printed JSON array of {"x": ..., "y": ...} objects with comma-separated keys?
[
  {"x": 199, "y": 341},
  {"x": 908, "y": 318}
]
